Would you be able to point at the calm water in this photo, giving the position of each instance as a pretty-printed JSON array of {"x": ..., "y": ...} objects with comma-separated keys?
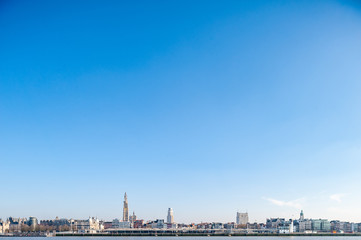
[{"x": 188, "y": 238}]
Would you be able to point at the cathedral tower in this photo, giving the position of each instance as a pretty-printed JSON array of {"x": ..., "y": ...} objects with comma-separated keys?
[{"x": 125, "y": 209}]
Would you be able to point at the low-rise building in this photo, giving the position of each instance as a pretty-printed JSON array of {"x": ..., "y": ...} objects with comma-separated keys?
[
  {"x": 204, "y": 226},
  {"x": 91, "y": 225},
  {"x": 274, "y": 223},
  {"x": 17, "y": 224},
  {"x": 108, "y": 225},
  {"x": 138, "y": 223},
  {"x": 217, "y": 225},
  {"x": 172, "y": 225},
  {"x": 230, "y": 225},
  {"x": 305, "y": 226},
  {"x": 280, "y": 225},
  {"x": 120, "y": 224},
  {"x": 159, "y": 224}
]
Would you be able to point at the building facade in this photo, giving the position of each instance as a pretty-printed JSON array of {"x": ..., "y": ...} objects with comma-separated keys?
[
  {"x": 4, "y": 226},
  {"x": 170, "y": 217},
  {"x": 321, "y": 225},
  {"x": 158, "y": 224},
  {"x": 119, "y": 224},
  {"x": 242, "y": 218},
  {"x": 91, "y": 225}
]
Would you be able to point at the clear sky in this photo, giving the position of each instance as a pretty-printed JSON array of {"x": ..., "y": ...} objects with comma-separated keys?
[{"x": 207, "y": 107}]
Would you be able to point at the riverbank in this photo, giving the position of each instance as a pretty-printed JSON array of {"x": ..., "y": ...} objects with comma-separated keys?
[
  {"x": 205, "y": 235},
  {"x": 184, "y": 234}
]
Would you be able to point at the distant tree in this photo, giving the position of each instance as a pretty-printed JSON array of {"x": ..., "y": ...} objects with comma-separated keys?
[
  {"x": 43, "y": 228},
  {"x": 36, "y": 228},
  {"x": 66, "y": 228},
  {"x": 25, "y": 228},
  {"x": 62, "y": 228}
]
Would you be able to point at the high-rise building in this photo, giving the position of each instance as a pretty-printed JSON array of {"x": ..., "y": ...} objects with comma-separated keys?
[
  {"x": 242, "y": 218},
  {"x": 125, "y": 209},
  {"x": 170, "y": 217},
  {"x": 33, "y": 221}
]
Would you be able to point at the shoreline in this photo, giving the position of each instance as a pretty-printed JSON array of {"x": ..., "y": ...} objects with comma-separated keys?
[{"x": 188, "y": 235}]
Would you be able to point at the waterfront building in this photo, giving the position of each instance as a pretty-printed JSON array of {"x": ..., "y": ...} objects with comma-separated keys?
[
  {"x": 325, "y": 225},
  {"x": 354, "y": 227},
  {"x": 321, "y": 225},
  {"x": 58, "y": 224},
  {"x": 348, "y": 227},
  {"x": 4, "y": 226},
  {"x": 125, "y": 209},
  {"x": 280, "y": 225},
  {"x": 170, "y": 217},
  {"x": 296, "y": 225},
  {"x": 252, "y": 226},
  {"x": 119, "y": 224},
  {"x": 273, "y": 223},
  {"x": 172, "y": 225},
  {"x": 217, "y": 225},
  {"x": 159, "y": 224},
  {"x": 204, "y": 226},
  {"x": 291, "y": 226},
  {"x": 108, "y": 225},
  {"x": 316, "y": 225},
  {"x": 16, "y": 224},
  {"x": 33, "y": 222},
  {"x": 116, "y": 223},
  {"x": 344, "y": 227},
  {"x": 91, "y": 225},
  {"x": 305, "y": 226},
  {"x": 230, "y": 225},
  {"x": 138, "y": 223},
  {"x": 242, "y": 218}
]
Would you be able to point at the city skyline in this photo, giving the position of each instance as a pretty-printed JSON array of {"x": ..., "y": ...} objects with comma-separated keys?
[
  {"x": 274, "y": 226},
  {"x": 240, "y": 218},
  {"x": 208, "y": 107}
]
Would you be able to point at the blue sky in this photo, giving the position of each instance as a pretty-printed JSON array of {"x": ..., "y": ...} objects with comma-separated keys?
[{"x": 207, "y": 107}]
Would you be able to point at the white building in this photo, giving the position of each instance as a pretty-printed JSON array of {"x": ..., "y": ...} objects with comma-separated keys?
[
  {"x": 91, "y": 225},
  {"x": 4, "y": 226},
  {"x": 119, "y": 224},
  {"x": 170, "y": 217},
  {"x": 15, "y": 224},
  {"x": 159, "y": 224},
  {"x": 242, "y": 218}
]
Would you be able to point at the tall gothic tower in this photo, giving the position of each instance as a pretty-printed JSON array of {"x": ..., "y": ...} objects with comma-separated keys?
[{"x": 125, "y": 209}]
